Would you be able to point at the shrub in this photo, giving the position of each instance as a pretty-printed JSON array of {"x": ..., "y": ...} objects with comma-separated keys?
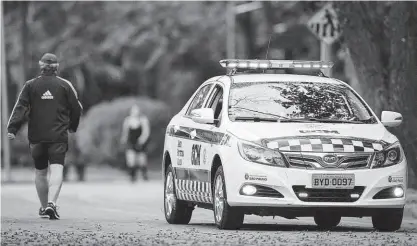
[{"x": 98, "y": 137}]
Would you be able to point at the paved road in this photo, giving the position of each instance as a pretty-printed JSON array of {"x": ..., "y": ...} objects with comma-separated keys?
[{"x": 119, "y": 213}]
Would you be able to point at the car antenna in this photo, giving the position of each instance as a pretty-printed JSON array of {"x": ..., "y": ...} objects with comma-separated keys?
[{"x": 267, "y": 49}]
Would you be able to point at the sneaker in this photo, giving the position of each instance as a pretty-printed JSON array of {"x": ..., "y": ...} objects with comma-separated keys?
[
  {"x": 51, "y": 211},
  {"x": 42, "y": 213}
]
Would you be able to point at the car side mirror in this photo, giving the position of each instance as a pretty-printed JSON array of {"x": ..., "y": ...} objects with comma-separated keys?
[
  {"x": 391, "y": 119},
  {"x": 203, "y": 115}
]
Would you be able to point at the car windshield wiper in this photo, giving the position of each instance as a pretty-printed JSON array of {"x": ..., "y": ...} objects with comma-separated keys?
[
  {"x": 334, "y": 121},
  {"x": 256, "y": 119},
  {"x": 295, "y": 120},
  {"x": 255, "y": 111}
]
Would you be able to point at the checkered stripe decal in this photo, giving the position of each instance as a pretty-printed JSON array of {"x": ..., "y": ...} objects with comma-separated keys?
[
  {"x": 325, "y": 145},
  {"x": 191, "y": 190}
]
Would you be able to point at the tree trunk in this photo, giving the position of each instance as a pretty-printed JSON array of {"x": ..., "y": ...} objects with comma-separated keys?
[
  {"x": 403, "y": 76},
  {"x": 24, "y": 40},
  {"x": 382, "y": 39},
  {"x": 245, "y": 23}
]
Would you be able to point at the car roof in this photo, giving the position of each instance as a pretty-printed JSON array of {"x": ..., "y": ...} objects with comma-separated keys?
[{"x": 241, "y": 78}]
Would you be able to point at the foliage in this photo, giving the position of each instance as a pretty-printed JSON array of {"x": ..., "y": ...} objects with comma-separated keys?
[
  {"x": 314, "y": 101},
  {"x": 381, "y": 37},
  {"x": 110, "y": 49},
  {"x": 164, "y": 50},
  {"x": 98, "y": 137}
]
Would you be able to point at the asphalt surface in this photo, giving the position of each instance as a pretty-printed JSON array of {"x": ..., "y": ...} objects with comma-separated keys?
[{"x": 120, "y": 213}]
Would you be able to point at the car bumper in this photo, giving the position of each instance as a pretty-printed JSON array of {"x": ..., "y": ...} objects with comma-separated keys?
[
  {"x": 295, "y": 212},
  {"x": 285, "y": 180}
]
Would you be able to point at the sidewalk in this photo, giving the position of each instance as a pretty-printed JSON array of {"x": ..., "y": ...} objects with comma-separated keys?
[{"x": 94, "y": 173}]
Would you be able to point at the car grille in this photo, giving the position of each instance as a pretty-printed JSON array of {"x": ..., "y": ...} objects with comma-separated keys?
[
  {"x": 328, "y": 195},
  {"x": 355, "y": 162},
  {"x": 315, "y": 160}
]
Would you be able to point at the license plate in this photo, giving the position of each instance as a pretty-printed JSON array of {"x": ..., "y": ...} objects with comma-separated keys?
[{"x": 333, "y": 181}]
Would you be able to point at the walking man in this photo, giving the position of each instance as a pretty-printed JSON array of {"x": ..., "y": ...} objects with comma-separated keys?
[
  {"x": 135, "y": 135},
  {"x": 51, "y": 105}
]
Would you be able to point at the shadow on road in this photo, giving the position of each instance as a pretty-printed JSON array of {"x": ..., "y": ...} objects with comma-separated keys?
[
  {"x": 300, "y": 228},
  {"x": 280, "y": 227}
]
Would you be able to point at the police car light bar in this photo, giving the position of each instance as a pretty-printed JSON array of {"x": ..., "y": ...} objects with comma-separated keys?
[{"x": 273, "y": 64}]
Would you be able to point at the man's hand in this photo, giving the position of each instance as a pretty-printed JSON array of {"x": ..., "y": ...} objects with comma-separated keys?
[{"x": 11, "y": 136}]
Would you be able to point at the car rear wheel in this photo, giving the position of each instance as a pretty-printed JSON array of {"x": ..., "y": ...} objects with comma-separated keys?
[
  {"x": 226, "y": 217},
  {"x": 388, "y": 219},
  {"x": 327, "y": 221},
  {"x": 176, "y": 211}
]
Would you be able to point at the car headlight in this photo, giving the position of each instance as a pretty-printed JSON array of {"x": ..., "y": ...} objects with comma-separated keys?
[
  {"x": 259, "y": 154},
  {"x": 391, "y": 155}
]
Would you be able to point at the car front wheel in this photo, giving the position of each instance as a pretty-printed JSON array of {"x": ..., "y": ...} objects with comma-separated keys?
[
  {"x": 388, "y": 219},
  {"x": 226, "y": 217},
  {"x": 176, "y": 211},
  {"x": 327, "y": 221}
]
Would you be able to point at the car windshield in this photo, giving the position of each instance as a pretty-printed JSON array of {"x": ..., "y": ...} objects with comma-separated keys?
[{"x": 296, "y": 101}]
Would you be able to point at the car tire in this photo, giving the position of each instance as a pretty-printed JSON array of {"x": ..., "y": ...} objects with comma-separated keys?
[
  {"x": 225, "y": 216},
  {"x": 389, "y": 219},
  {"x": 176, "y": 211},
  {"x": 327, "y": 221}
]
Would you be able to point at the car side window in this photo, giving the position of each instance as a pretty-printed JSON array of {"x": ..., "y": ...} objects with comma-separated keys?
[
  {"x": 199, "y": 98},
  {"x": 217, "y": 102}
]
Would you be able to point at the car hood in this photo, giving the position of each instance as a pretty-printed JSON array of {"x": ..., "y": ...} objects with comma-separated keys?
[{"x": 261, "y": 132}]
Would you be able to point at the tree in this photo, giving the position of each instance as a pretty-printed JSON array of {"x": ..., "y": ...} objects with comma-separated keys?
[
  {"x": 24, "y": 41},
  {"x": 382, "y": 40},
  {"x": 114, "y": 48}
]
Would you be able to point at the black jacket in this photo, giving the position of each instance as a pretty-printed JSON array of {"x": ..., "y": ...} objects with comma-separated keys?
[{"x": 52, "y": 106}]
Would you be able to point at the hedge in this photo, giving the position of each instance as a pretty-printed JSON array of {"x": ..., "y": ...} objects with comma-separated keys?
[{"x": 98, "y": 137}]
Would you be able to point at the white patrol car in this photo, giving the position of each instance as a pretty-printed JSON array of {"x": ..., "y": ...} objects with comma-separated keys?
[{"x": 282, "y": 145}]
